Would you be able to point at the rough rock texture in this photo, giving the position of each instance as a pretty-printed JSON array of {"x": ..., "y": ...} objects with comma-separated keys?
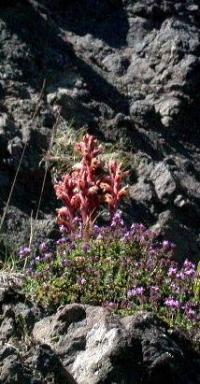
[
  {"x": 129, "y": 72},
  {"x": 89, "y": 345},
  {"x": 21, "y": 360}
]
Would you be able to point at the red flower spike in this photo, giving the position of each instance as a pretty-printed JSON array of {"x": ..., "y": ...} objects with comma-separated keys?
[{"x": 83, "y": 190}]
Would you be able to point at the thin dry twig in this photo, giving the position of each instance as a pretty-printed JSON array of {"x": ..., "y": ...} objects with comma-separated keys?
[
  {"x": 31, "y": 233},
  {"x": 21, "y": 158},
  {"x": 45, "y": 176},
  {"x": 56, "y": 158}
]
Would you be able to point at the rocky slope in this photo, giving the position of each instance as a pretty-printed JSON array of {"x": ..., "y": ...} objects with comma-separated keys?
[
  {"x": 129, "y": 72},
  {"x": 88, "y": 345}
]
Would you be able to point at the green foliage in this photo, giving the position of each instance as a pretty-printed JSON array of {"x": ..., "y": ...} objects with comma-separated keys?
[
  {"x": 197, "y": 285},
  {"x": 123, "y": 270},
  {"x": 62, "y": 153}
]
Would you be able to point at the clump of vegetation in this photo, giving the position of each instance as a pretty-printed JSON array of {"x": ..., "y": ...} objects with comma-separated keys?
[
  {"x": 122, "y": 268},
  {"x": 88, "y": 186}
]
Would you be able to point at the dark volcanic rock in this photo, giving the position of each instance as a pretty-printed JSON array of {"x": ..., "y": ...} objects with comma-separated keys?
[
  {"x": 101, "y": 60},
  {"x": 21, "y": 361},
  {"x": 102, "y": 348},
  {"x": 84, "y": 344},
  {"x": 128, "y": 71}
]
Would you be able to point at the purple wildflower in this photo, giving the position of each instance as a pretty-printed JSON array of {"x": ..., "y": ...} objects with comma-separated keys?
[
  {"x": 189, "y": 272},
  {"x": 175, "y": 288},
  {"x": 188, "y": 268},
  {"x": 77, "y": 220},
  {"x": 62, "y": 240},
  {"x": 172, "y": 271},
  {"x": 117, "y": 220},
  {"x": 130, "y": 293},
  {"x": 43, "y": 247},
  {"x": 63, "y": 229},
  {"x": 168, "y": 246},
  {"x": 152, "y": 252},
  {"x": 82, "y": 281},
  {"x": 138, "y": 228},
  {"x": 110, "y": 305},
  {"x": 180, "y": 275},
  {"x": 190, "y": 311},
  {"x": 138, "y": 291},
  {"x": 172, "y": 303},
  {"x": 127, "y": 236},
  {"x": 24, "y": 252},
  {"x": 188, "y": 264},
  {"x": 47, "y": 256},
  {"x": 96, "y": 230}
]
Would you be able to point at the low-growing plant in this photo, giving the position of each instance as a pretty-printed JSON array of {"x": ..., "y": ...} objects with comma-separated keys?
[
  {"x": 122, "y": 268},
  {"x": 62, "y": 155}
]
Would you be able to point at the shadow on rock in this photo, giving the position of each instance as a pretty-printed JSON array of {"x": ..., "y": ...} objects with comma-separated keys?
[{"x": 104, "y": 19}]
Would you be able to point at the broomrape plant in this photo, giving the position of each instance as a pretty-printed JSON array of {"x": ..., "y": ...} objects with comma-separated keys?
[
  {"x": 89, "y": 185},
  {"x": 122, "y": 268}
]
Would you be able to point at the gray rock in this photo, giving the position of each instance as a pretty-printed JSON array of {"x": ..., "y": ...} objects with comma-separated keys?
[
  {"x": 7, "y": 329},
  {"x": 139, "y": 60},
  {"x": 142, "y": 191},
  {"x": 15, "y": 147},
  {"x": 43, "y": 228},
  {"x": 136, "y": 61},
  {"x": 1, "y": 90},
  {"x": 7, "y": 350},
  {"x": 7, "y": 126},
  {"x": 86, "y": 344},
  {"x": 104, "y": 348},
  {"x": 143, "y": 113},
  {"x": 48, "y": 119},
  {"x": 168, "y": 109},
  {"x": 164, "y": 182},
  {"x": 169, "y": 227},
  {"x": 116, "y": 64}
]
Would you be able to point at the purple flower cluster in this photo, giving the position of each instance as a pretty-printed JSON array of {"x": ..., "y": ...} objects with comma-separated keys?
[
  {"x": 43, "y": 248},
  {"x": 191, "y": 311},
  {"x": 62, "y": 240},
  {"x": 24, "y": 252},
  {"x": 172, "y": 271},
  {"x": 168, "y": 246},
  {"x": 118, "y": 267},
  {"x": 172, "y": 303},
  {"x": 136, "y": 292},
  {"x": 117, "y": 220},
  {"x": 188, "y": 268},
  {"x": 43, "y": 256}
]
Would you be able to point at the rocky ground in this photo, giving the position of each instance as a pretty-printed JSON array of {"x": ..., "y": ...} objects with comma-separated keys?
[
  {"x": 127, "y": 71},
  {"x": 88, "y": 345}
]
